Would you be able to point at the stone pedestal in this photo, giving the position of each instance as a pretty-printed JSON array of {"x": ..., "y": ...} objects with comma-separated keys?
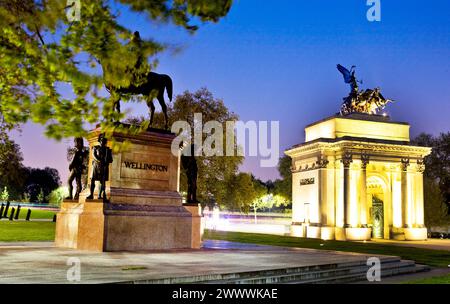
[
  {"x": 397, "y": 234},
  {"x": 313, "y": 232},
  {"x": 144, "y": 210},
  {"x": 339, "y": 234},
  {"x": 327, "y": 233},
  {"x": 416, "y": 234},
  {"x": 298, "y": 230},
  {"x": 409, "y": 234},
  {"x": 197, "y": 221},
  {"x": 358, "y": 234}
]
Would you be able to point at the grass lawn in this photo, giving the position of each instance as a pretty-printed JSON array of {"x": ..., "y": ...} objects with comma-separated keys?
[
  {"x": 18, "y": 231},
  {"x": 445, "y": 279},
  {"x": 36, "y": 214},
  {"x": 431, "y": 257}
]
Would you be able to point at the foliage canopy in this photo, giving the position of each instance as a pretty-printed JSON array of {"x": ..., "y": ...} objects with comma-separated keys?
[{"x": 44, "y": 54}]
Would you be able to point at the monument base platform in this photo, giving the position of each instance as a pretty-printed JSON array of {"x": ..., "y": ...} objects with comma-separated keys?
[
  {"x": 298, "y": 230},
  {"x": 354, "y": 234},
  {"x": 331, "y": 233},
  {"x": 358, "y": 234},
  {"x": 97, "y": 226},
  {"x": 416, "y": 234},
  {"x": 410, "y": 234}
]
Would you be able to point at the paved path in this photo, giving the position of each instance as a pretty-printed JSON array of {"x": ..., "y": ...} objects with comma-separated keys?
[{"x": 41, "y": 262}]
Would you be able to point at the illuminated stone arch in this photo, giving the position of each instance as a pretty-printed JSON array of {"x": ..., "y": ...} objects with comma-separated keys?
[{"x": 330, "y": 171}]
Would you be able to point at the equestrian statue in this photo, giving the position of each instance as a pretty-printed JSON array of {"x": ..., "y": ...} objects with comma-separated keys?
[{"x": 143, "y": 82}]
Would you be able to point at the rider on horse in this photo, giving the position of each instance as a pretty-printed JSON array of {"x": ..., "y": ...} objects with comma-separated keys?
[
  {"x": 136, "y": 78},
  {"x": 138, "y": 68}
]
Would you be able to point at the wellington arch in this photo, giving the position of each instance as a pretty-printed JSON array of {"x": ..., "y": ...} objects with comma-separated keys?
[{"x": 357, "y": 177}]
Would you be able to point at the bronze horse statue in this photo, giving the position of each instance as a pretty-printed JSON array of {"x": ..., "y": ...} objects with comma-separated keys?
[{"x": 153, "y": 84}]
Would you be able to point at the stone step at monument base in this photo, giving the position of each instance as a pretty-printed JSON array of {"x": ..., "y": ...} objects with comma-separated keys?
[
  {"x": 317, "y": 274},
  {"x": 361, "y": 277},
  {"x": 340, "y": 274}
]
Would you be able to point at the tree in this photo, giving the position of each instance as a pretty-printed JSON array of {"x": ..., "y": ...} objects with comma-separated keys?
[
  {"x": 4, "y": 127},
  {"x": 435, "y": 211},
  {"x": 40, "y": 197},
  {"x": 26, "y": 198},
  {"x": 436, "y": 177},
  {"x": 12, "y": 172},
  {"x": 4, "y": 196},
  {"x": 266, "y": 196},
  {"x": 215, "y": 173},
  {"x": 41, "y": 182},
  {"x": 57, "y": 196},
  {"x": 21, "y": 182},
  {"x": 43, "y": 48},
  {"x": 261, "y": 196},
  {"x": 240, "y": 192},
  {"x": 283, "y": 187}
]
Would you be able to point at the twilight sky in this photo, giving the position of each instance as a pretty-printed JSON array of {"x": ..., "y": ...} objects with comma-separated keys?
[{"x": 276, "y": 60}]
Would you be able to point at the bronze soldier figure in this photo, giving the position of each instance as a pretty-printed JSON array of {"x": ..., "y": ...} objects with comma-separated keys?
[
  {"x": 102, "y": 157},
  {"x": 189, "y": 164},
  {"x": 76, "y": 168}
]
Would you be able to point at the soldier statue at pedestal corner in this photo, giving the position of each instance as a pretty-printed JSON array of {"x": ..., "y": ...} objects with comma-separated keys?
[
  {"x": 189, "y": 164},
  {"x": 76, "y": 167},
  {"x": 102, "y": 157}
]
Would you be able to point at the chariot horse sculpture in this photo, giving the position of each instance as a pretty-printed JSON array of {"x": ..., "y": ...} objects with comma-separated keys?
[{"x": 369, "y": 101}]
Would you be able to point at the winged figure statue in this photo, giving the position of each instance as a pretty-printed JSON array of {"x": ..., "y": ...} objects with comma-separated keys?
[{"x": 349, "y": 77}]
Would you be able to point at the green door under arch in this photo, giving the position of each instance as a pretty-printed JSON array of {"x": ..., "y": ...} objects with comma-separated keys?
[{"x": 377, "y": 218}]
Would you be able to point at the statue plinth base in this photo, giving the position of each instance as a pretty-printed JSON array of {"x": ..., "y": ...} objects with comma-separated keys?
[{"x": 144, "y": 209}]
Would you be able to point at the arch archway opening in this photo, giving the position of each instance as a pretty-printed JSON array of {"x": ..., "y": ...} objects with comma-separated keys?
[{"x": 376, "y": 192}]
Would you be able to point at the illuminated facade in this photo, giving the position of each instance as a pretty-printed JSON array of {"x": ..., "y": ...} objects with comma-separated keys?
[{"x": 356, "y": 177}]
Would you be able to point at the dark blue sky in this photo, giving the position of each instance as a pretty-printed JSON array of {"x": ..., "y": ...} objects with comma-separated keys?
[{"x": 276, "y": 60}]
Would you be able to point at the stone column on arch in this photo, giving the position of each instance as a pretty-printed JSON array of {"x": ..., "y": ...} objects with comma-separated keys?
[
  {"x": 322, "y": 164},
  {"x": 346, "y": 160},
  {"x": 363, "y": 189},
  {"x": 404, "y": 190},
  {"x": 418, "y": 199}
]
